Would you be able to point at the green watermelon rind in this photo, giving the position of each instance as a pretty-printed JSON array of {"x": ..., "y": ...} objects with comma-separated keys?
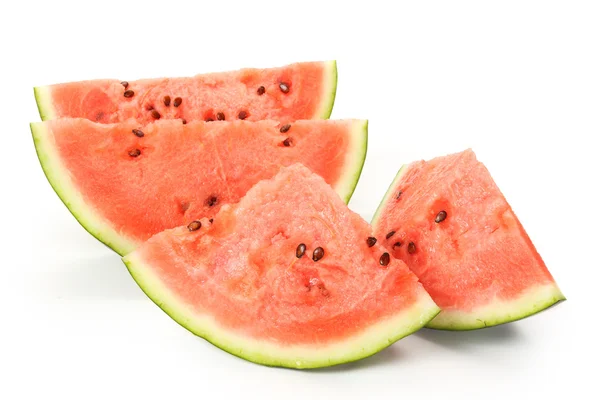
[
  {"x": 534, "y": 300},
  {"x": 388, "y": 194},
  {"x": 43, "y": 99},
  {"x": 59, "y": 178},
  {"x": 355, "y": 160},
  {"x": 364, "y": 344},
  {"x": 329, "y": 91},
  {"x": 43, "y": 95}
]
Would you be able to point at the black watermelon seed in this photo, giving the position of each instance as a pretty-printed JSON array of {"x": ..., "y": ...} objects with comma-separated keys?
[
  {"x": 137, "y": 132},
  {"x": 177, "y": 102},
  {"x": 211, "y": 201},
  {"x": 194, "y": 226},
  {"x": 285, "y": 128},
  {"x": 371, "y": 241},
  {"x": 209, "y": 120},
  {"x": 287, "y": 142},
  {"x": 397, "y": 244},
  {"x": 155, "y": 114},
  {"x": 220, "y": 116},
  {"x": 243, "y": 115},
  {"x": 261, "y": 90},
  {"x": 441, "y": 216},
  {"x": 384, "y": 259},
  {"x": 167, "y": 100},
  {"x": 284, "y": 87},
  {"x": 211, "y": 220},
  {"x": 398, "y": 195},
  {"x": 183, "y": 121},
  {"x": 125, "y": 84},
  {"x": 412, "y": 248},
  {"x": 390, "y": 234},
  {"x": 318, "y": 254},
  {"x": 128, "y": 93},
  {"x": 300, "y": 250},
  {"x": 135, "y": 152}
]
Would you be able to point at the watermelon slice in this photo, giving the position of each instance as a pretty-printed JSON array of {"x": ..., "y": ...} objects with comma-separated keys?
[
  {"x": 293, "y": 92},
  {"x": 125, "y": 182},
  {"x": 449, "y": 222},
  {"x": 285, "y": 277}
]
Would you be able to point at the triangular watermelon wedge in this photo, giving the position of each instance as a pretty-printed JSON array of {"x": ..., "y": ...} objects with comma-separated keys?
[
  {"x": 293, "y": 92},
  {"x": 125, "y": 182},
  {"x": 286, "y": 277},
  {"x": 450, "y": 223}
]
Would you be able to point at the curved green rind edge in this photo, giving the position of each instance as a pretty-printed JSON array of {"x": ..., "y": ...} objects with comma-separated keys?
[
  {"x": 533, "y": 301},
  {"x": 496, "y": 313},
  {"x": 329, "y": 90},
  {"x": 387, "y": 195},
  {"x": 368, "y": 342},
  {"x": 59, "y": 178},
  {"x": 355, "y": 160},
  {"x": 43, "y": 100}
]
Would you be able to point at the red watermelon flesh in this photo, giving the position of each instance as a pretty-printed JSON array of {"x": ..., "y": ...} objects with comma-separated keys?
[
  {"x": 449, "y": 222},
  {"x": 293, "y": 92},
  {"x": 124, "y": 187},
  {"x": 238, "y": 282}
]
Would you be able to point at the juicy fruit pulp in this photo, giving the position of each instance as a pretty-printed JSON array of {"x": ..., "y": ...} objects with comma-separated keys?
[
  {"x": 125, "y": 182},
  {"x": 455, "y": 230},
  {"x": 293, "y": 92},
  {"x": 239, "y": 283}
]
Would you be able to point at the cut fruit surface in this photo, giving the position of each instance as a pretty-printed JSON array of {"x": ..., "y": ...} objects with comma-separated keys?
[
  {"x": 125, "y": 182},
  {"x": 292, "y": 92},
  {"x": 285, "y": 277},
  {"x": 455, "y": 230}
]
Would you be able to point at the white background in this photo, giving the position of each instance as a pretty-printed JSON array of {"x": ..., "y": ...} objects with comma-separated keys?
[{"x": 517, "y": 81}]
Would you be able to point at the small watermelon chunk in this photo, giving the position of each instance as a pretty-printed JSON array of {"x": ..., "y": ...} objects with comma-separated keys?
[
  {"x": 449, "y": 222},
  {"x": 125, "y": 182},
  {"x": 292, "y": 92},
  {"x": 285, "y": 277}
]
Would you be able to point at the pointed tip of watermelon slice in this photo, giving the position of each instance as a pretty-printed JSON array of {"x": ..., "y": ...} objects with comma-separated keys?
[
  {"x": 329, "y": 90},
  {"x": 43, "y": 99}
]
